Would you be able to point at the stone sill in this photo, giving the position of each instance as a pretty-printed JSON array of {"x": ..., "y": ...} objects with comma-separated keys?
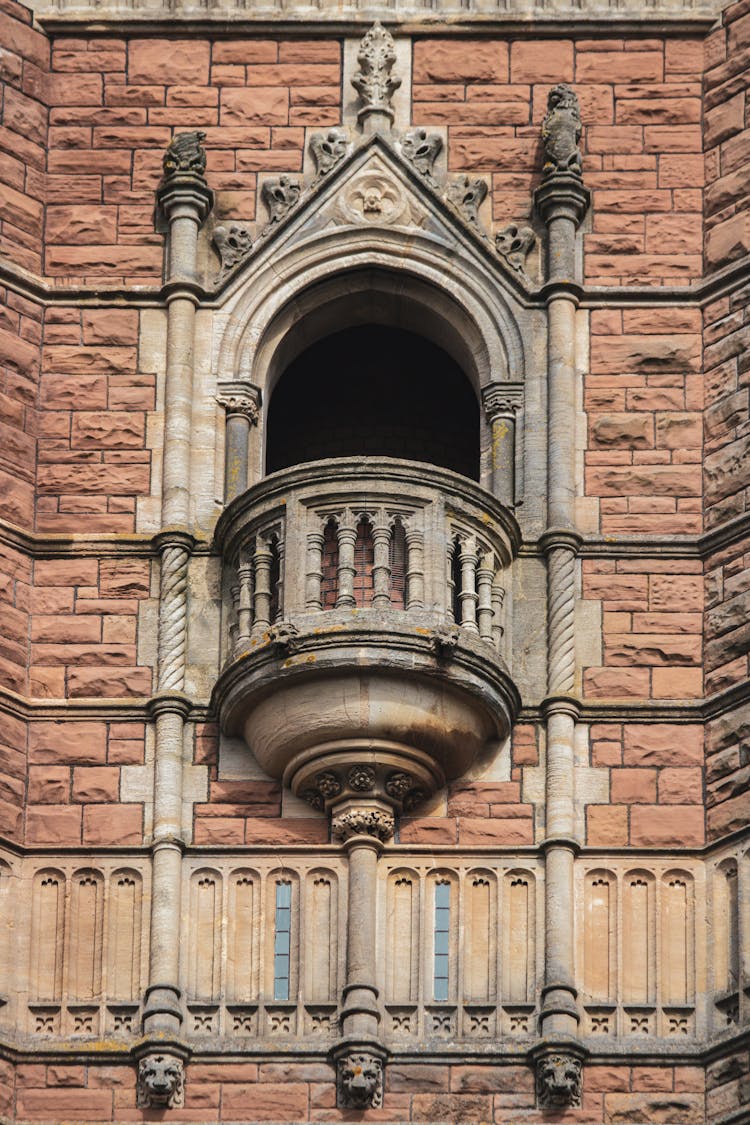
[{"x": 500, "y": 15}]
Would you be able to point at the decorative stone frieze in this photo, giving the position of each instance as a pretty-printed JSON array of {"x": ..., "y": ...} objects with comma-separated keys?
[
  {"x": 279, "y": 197},
  {"x": 233, "y": 243},
  {"x": 359, "y": 1079},
  {"x": 328, "y": 150},
  {"x": 422, "y": 149},
  {"x": 514, "y": 243},
  {"x": 161, "y": 1081},
  {"x": 558, "y": 1080},
  {"x": 466, "y": 196},
  {"x": 374, "y": 81}
]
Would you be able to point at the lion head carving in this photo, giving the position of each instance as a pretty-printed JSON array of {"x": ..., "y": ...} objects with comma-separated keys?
[
  {"x": 160, "y": 1081},
  {"x": 361, "y": 1080},
  {"x": 559, "y": 1080}
]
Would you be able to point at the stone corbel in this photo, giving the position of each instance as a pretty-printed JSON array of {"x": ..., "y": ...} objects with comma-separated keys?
[
  {"x": 242, "y": 404},
  {"x": 503, "y": 402},
  {"x": 559, "y": 1076},
  {"x": 160, "y": 1077}
]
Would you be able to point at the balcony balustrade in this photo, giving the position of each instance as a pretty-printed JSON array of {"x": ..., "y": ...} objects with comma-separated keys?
[{"x": 366, "y": 601}]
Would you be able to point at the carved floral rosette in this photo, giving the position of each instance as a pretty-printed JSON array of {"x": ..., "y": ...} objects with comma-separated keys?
[{"x": 401, "y": 779}]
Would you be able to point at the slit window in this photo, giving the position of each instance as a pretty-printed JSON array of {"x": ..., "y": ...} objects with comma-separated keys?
[
  {"x": 330, "y": 566},
  {"x": 442, "y": 940},
  {"x": 282, "y": 941},
  {"x": 398, "y": 565},
  {"x": 364, "y": 561}
]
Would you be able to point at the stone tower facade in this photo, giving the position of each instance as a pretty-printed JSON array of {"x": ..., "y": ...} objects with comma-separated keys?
[{"x": 374, "y": 465}]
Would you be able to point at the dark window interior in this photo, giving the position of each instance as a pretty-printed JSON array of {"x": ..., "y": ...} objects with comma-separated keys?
[{"x": 374, "y": 391}]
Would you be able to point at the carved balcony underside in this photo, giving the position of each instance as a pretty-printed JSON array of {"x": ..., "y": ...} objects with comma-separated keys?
[{"x": 367, "y": 603}]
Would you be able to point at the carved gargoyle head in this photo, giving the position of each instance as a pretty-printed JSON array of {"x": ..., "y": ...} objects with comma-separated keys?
[
  {"x": 160, "y": 1081},
  {"x": 559, "y": 1080},
  {"x": 360, "y": 1080}
]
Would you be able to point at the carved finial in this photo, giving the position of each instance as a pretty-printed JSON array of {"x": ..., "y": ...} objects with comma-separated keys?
[
  {"x": 558, "y": 1080},
  {"x": 373, "y": 81},
  {"x": 514, "y": 243},
  {"x": 161, "y": 1082},
  {"x": 561, "y": 132},
  {"x": 328, "y": 150},
  {"x": 422, "y": 149},
  {"x": 466, "y": 196},
  {"x": 359, "y": 1080},
  {"x": 185, "y": 155},
  {"x": 280, "y": 196},
  {"x": 234, "y": 244}
]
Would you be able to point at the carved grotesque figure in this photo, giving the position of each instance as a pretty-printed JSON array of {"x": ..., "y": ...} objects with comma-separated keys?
[
  {"x": 561, "y": 132},
  {"x": 185, "y": 154},
  {"x": 559, "y": 1080},
  {"x": 161, "y": 1081},
  {"x": 328, "y": 150},
  {"x": 360, "y": 1081}
]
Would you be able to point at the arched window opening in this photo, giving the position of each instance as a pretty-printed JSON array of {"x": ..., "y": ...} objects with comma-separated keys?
[
  {"x": 330, "y": 566},
  {"x": 364, "y": 560},
  {"x": 374, "y": 391},
  {"x": 397, "y": 562}
]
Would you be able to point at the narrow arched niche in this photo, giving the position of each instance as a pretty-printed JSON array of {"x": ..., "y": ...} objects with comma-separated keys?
[{"x": 374, "y": 390}]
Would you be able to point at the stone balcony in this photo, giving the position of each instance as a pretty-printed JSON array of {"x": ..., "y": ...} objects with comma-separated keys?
[{"x": 366, "y": 621}]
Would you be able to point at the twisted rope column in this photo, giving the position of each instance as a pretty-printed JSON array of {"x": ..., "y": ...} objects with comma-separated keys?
[{"x": 173, "y": 615}]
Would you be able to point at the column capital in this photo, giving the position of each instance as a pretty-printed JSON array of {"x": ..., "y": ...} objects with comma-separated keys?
[
  {"x": 366, "y": 822},
  {"x": 241, "y": 399},
  {"x": 502, "y": 400}
]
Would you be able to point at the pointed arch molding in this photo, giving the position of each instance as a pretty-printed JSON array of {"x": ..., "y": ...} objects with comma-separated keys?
[{"x": 442, "y": 275}]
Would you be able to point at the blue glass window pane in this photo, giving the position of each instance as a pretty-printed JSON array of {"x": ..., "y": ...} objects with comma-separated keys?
[
  {"x": 282, "y": 941},
  {"x": 441, "y": 947}
]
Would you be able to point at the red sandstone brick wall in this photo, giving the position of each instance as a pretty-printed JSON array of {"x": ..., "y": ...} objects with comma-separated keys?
[
  {"x": 640, "y": 101},
  {"x": 305, "y": 1092}
]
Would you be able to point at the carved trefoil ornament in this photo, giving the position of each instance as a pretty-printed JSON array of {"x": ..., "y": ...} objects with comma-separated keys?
[
  {"x": 233, "y": 244},
  {"x": 374, "y": 81},
  {"x": 422, "y": 149},
  {"x": 328, "y": 150},
  {"x": 561, "y": 132},
  {"x": 466, "y": 196},
  {"x": 185, "y": 155},
  {"x": 161, "y": 1082},
  {"x": 514, "y": 243},
  {"x": 280, "y": 196},
  {"x": 558, "y": 1080},
  {"x": 359, "y": 1080}
]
